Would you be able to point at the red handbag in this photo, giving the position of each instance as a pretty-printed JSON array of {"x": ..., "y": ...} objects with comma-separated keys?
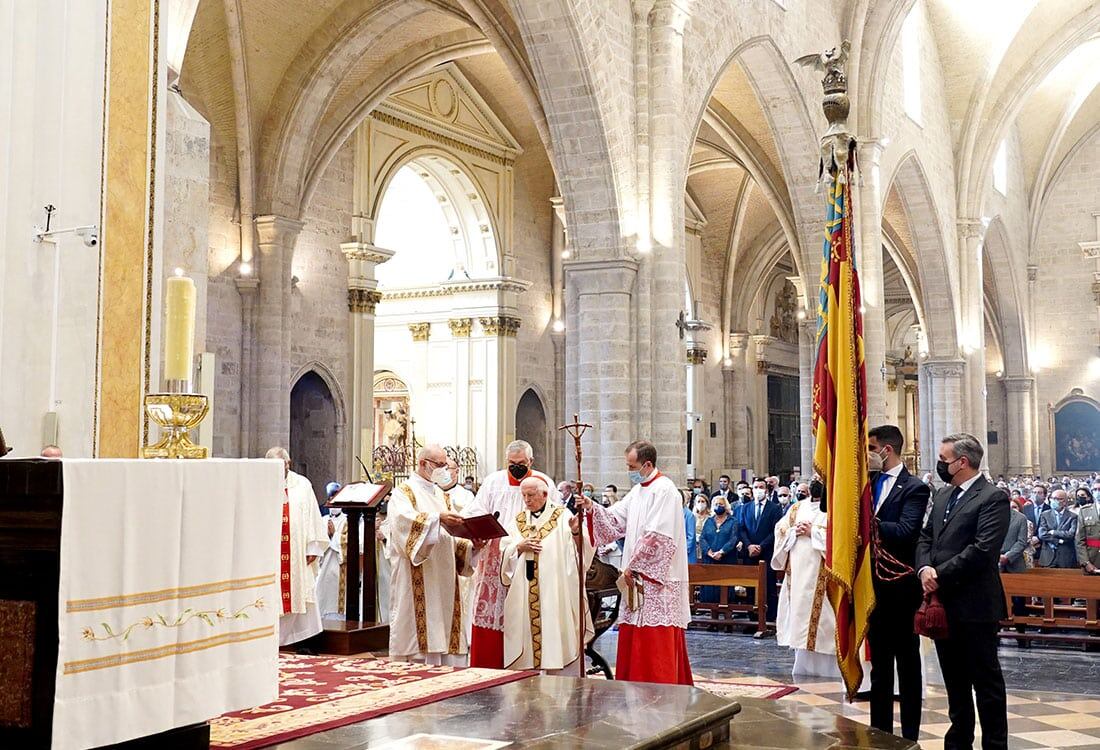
[{"x": 931, "y": 619}]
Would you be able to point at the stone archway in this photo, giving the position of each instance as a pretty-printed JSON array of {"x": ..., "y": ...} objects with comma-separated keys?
[
  {"x": 314, "y": 444},
  {"x": 531, "y": 426}
]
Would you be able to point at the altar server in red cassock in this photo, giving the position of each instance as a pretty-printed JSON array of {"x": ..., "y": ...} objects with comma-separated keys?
[
  {"x": 655, "y": 611},
  {"x": 499, "y": 494}
]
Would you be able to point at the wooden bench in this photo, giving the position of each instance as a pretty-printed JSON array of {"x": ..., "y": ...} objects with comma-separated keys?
[
  {"x": 721, "y": 612},
  {"x": 1049, "y": 585}
]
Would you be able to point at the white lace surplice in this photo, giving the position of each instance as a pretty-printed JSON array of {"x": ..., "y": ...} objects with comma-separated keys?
[{"x": 651, "y": 518}]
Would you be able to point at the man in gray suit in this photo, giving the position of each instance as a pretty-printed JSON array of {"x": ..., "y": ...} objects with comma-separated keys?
[
  {"x": 1057, "y": 533},
  {"x": 1012, "y": 550}
]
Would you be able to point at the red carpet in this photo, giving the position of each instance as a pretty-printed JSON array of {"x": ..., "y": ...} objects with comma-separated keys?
[{"x": 318, "y": 693}]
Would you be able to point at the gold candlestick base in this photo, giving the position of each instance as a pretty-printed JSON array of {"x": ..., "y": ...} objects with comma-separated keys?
[{"x": 176, "y": 414}]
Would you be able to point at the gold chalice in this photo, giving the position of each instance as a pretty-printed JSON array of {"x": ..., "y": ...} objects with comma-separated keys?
[{"x": 176, "y": 414}]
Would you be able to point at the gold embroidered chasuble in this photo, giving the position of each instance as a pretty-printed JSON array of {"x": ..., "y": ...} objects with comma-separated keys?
[
  {"x": 426, "y": 563},
  {"x": 540, "y": 615}
]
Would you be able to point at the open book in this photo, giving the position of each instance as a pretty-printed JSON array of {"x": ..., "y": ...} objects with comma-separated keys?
[
  {"x": 480, "y": 527},
  {"x": 362, "y": 494}
]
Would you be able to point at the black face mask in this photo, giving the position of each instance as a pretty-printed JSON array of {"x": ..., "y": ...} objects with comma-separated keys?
[
  {"x": 518, "y": 471},
  {"x": 802, "y": 495},
  {"x": 942, "y": 469},
  {"x": 1084, "y": 499}
]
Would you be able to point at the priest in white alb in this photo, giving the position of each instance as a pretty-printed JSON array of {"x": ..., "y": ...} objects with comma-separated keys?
[
  {"x": 805, "y": 621},
  {"x": 426, "y": 622},
  {"x": 500, "y": 495},
  {"x": 304, "y": 539},
  {"x": 333, "y": 575},
  {"x": 539, "y": 569},
  {"x": 460, "y": 499},
  {"x": 654, "y": 610}
]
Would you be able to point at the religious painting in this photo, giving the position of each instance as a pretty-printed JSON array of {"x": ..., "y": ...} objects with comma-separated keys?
[
  {"x": 783, "y": 324},
  {"x": 391, "y": 410},
  {"x": 1076, "y": 432}
]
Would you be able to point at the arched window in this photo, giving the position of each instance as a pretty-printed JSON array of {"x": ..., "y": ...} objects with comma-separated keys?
[
  {"x": 434, "y": 219},
  {"x": 910, "y": 65}
]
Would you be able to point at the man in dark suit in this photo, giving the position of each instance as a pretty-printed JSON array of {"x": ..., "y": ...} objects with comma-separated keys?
[
  {"x": 1057, "y": 532},
  {"x": 958, "y": 557},
  {"x": 759, "y": 515},
  {"x": 899, "y": 500},
  {"x": 725, "y": 491}
]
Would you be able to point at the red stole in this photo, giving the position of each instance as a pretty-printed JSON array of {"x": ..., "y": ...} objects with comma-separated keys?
[{"x": 284, "y": 556}]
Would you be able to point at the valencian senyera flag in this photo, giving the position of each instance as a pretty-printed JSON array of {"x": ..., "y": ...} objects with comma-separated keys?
[{"x": 840, "y": 419}]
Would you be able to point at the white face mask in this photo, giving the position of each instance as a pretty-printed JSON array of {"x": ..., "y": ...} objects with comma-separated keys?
[
  {"x": 701, "y": 505},
  {"x": 442, "y": 477},
  {"x": 758, "y": 493}
]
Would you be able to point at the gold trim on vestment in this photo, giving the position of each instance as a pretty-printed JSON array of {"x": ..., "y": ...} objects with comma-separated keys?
[
  {"x": 815, "y": 609},
  {"x": 534, "y": 600},
  {"x": 163, "y": 595},
  {"x": 175, "y": 649},
  {"x": 420, "y": 602}
]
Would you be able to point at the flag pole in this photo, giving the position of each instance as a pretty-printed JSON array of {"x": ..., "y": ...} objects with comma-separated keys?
[{"x": 575, "y": 430}]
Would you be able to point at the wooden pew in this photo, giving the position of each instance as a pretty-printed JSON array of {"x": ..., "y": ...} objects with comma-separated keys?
[
  {"x": 1049, "y": 585},
  {"x": 750, "y": 576}
]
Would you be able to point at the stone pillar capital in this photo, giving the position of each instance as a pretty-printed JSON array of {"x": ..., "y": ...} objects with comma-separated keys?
[
  {"x": 615, "y": 276},
  {"x": 272, "y": 230},
  {"x": 670, "y": 14},
  {"x": 970, "y": 228},
  {"x": 1018, "y": 383},
  {"x": 247, "y": 286},
  {"x": 363, "y": 300},
  {"x": 461, "y": 327},
  {"x": 739, "y": 341},
  {"x": 500, "y": 325},
  {"x": 944, "y": 368},
  {"x": 870, "y": 151},
  {"x": 420, "y": 331},
  {"x": 365, "y": 252}
]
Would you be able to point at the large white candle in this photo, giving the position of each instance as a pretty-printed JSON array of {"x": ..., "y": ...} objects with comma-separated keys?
[{"x": 179, "y": 330}]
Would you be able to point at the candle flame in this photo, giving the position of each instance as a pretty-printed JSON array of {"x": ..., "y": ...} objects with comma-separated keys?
[{"x": 179, "y": 272}]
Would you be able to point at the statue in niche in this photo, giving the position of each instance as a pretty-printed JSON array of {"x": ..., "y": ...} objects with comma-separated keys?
[
  {"x": 784, "y": 324},
  {"x": 397, "y": 426}
]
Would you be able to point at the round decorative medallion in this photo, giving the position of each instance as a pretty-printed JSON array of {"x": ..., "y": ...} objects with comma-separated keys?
[{"x": 444, "y": 101}]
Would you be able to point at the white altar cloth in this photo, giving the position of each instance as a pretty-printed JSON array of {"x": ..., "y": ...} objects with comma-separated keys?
[{"x": 169, "y": 595}]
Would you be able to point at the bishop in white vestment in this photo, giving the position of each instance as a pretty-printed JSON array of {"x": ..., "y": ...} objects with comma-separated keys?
[
  {"x": 499, "y": 494},
  {"x": 304, "y": 540},
  {"x": 655, "y": 610},
  {"x": 539, "y": 569},
  {"x": 425, "y": 609}
]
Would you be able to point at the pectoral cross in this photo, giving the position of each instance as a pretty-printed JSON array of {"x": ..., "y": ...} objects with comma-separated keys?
[{"x": 576, "y": 430}]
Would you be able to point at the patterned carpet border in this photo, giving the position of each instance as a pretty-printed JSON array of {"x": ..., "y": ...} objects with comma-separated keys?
[
  {"x": 731, "y": 689},
  {"x": 318, "y": 693}
]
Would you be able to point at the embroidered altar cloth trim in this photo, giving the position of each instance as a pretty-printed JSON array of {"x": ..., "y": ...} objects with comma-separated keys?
[{"x": 168, "y": 597}]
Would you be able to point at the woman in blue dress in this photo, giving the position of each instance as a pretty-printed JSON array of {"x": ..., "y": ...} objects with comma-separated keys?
[{"x": 718, "y": 542}]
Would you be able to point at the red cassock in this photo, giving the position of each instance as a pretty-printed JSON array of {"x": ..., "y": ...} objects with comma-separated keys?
[{"x": 652, "y": 654}]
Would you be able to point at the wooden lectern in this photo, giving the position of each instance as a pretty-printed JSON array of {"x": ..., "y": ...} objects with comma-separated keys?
[{"x": 360, "y": 630}]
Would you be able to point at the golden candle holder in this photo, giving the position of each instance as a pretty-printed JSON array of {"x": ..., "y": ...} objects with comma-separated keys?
[{"x": 176, "y": 414}]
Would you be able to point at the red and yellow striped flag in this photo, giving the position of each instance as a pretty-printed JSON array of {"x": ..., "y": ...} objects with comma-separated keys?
[{"x": 840, "y": 426}]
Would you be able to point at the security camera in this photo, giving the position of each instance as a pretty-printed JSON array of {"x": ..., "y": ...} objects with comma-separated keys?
[{"x": 90, "y": 234}]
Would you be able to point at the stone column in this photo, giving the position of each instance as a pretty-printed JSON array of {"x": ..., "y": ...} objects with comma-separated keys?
[
  {"x": 972, "y": 298},
  {"x": 1021, "y": 440},
  {"x": 600, "y": 374},
  {"x": 740, "y": 372},
  {"x": 869, "y": 258},
  {"x": 557, "y": 452},
  {"x": 807, "y": 337},
  {"x": 667, "y": 178},
  {"x": 248, "y": 287},
  {"x": 1032, "y": 278},
  {"x": 271, "y": 397},
  {"x": 942, "y": 393},
  {"x": 501, "y": 332},
  {"x": 697, "y": 357},
  {"x": 363, "y": 295},
  {"x": 461, "y": 329}
]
